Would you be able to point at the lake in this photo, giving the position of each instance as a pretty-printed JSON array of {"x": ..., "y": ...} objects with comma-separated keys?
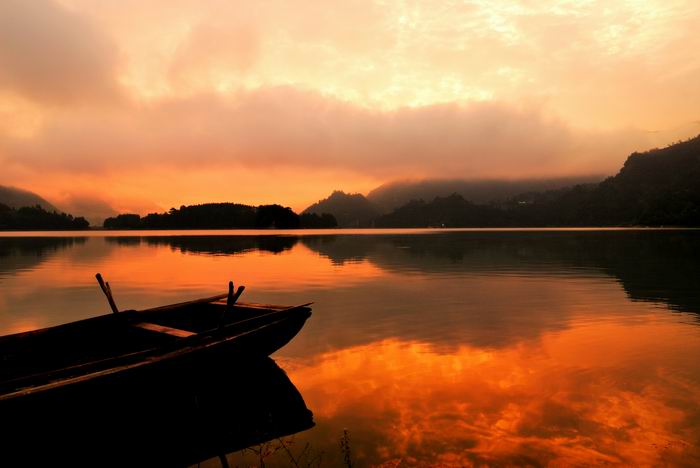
[{"x": 428, "y": 347}]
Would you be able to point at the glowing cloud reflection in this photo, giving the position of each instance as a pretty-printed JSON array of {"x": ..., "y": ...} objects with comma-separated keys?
[{"x": 585, "y": 396}]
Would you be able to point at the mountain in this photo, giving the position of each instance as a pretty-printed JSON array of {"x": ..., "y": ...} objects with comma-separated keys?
[
  {"x": 350, "y": 210},
  {"x": 452, "y": 211},
  {"x": 660, "y": 187},
  {"x": 18, "y": 198},
  {"x": 395, "y": 194}
]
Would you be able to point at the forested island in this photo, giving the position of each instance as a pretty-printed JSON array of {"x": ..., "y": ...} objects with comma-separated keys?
[{"x": 223, "y": 216}]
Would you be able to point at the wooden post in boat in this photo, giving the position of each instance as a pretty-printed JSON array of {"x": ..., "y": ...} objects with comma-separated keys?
[
  {"x": 230, "y": 301},
  {"x": 108, "y": 292}
]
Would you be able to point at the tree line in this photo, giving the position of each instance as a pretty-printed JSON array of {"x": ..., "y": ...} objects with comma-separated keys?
[
  {"x": 37, "y": 218},
  {"x": 223, "y": 216}
]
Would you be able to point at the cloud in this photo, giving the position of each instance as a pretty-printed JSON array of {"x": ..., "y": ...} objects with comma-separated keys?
[
  {"x": 289, "y": 127},
  {"x": 212, "y": 51},
  {"x": 53, "y": 55}
]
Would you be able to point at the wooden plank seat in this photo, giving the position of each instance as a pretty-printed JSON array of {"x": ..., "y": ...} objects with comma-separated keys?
[
  {"x": 250, "y": 305},
  {"x": 163, "y": 329}
]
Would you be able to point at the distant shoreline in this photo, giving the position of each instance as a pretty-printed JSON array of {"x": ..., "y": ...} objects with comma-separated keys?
[{"x": 101, "y": 232}]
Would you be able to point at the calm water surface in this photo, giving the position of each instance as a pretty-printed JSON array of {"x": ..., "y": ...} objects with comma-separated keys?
[{"x": 431, "y": 347}]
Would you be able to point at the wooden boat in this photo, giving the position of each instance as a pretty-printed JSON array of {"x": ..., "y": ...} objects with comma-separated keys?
[{"x": 87, "y": 355}]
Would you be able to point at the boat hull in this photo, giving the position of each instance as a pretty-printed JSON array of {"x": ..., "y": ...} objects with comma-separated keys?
[{"x": 225, "y": 347}]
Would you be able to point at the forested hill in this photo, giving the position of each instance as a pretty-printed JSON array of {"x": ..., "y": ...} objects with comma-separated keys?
[
  {"x": 35, "y": 218},
  {"x": 222, "y": 216},
  {"x": 18, "y": 198},
  {"x": 394, "y": 194},
  {"x": 660, "y": 187},
  {"x": 351, "y": 210}
]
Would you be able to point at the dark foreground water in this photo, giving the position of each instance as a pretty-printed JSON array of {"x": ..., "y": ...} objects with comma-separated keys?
[{"x": 429, "y": 347}]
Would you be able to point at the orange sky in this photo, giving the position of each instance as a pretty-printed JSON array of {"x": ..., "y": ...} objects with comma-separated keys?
[{"x": 140, "y": 106}]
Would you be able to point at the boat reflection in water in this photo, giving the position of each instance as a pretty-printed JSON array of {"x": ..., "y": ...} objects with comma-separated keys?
[{"x": 182, "y": 419}]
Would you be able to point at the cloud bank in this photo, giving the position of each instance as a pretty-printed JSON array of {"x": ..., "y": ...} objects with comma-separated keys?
[
  {"x": 289, "y": 127},
  {"x": 113, "y": 96}
]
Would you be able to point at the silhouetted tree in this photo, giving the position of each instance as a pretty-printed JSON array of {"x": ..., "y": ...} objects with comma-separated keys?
[
  {"x": 123, "y": 221},
  {"x": 276, "y": 216}
]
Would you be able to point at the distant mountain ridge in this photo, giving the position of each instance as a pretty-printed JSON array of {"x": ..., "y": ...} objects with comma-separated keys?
[
  {"x": 450, "y": 211},
  {"x": 357, "y": 210},
  {"x": 659, "y": 187},
  {"x": 350, "y": 210},
  {"x": 18, "y": 198},
  {"x": 392, "y": 195}
]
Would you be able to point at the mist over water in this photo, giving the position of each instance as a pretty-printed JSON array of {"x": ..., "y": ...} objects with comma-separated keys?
[{"x": 466, "y": 347}]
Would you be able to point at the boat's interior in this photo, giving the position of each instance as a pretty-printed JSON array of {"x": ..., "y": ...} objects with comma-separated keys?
[
  {"x": 199, "y": 318},
  {"x": 105, "y": 337}
]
